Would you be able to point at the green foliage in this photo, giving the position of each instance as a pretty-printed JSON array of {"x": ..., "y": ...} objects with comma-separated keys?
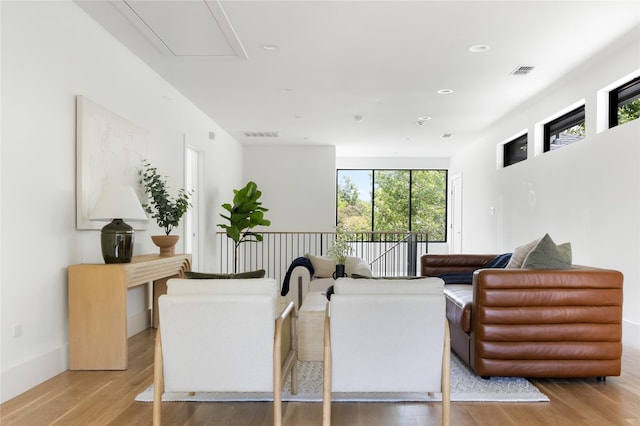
[
  {"x": 429, "y": 203},
  {"x": 353, "y": 213},
  {"x": 577, "y": 130},
  {"x": 629, "y": 112},
  {"x": 391, "y": 203},
  {"x": 245, "y": 214},
  {"x": 341, "y": 247},
  {"x": 166, "y": 211}
]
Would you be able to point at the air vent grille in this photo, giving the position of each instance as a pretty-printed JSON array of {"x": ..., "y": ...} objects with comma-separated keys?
[
  {"x": 522, "y": 70},
  {"x": 252, "y": 134}
]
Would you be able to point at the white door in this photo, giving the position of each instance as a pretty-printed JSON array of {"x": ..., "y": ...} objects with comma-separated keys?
[
  {"x": 193, "y": 182},
  {"x": 456, "y": 214}
]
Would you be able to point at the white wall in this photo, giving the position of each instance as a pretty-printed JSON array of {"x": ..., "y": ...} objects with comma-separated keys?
[
  {"x": 587, "y": 193},
  {"x": 51, "y": 52},
  {"x": 298, "y": 185}
]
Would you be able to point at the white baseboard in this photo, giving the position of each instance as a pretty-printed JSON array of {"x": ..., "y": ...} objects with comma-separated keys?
[
  {"x": 22, "y": 377},
  {"x": 631, "y": 334}
]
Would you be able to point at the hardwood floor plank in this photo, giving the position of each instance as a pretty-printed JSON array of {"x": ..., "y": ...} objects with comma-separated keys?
[{"x": 107, "y": 398}]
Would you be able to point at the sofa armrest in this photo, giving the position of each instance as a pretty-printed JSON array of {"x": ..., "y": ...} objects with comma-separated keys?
[
  {"x": 435, "y": 264},
  {"x": 571, "y": 317}
]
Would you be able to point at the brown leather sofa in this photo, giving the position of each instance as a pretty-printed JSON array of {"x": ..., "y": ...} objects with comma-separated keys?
[{"x": 533, "y": 323}]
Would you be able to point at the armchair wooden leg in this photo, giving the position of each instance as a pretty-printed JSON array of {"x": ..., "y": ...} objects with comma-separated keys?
[
  {"x": 326, "y": 382},
  {"x": 446, "y": 379},
  {"x": 158, "y": 381}
]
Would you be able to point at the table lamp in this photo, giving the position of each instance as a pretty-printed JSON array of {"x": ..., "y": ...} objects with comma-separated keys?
[{"x": 117, "y": 203}]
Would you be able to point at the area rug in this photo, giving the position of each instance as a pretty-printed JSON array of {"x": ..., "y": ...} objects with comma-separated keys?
[{"x": 465, "y": 386}]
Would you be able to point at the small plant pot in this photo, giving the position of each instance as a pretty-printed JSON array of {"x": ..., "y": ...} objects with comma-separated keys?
[{"x": 167, "y": 243}]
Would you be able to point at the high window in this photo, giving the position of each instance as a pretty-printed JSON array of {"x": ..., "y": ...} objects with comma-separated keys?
[
  {"x": 515, "y": 151},
  {"x": 393, "y": 200},
  {"x": 624, "y": 103},
  {"x": 564, "y": 130}
]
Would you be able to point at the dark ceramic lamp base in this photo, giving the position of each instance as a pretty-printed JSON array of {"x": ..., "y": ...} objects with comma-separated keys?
[{"x": 117, "y": 242}]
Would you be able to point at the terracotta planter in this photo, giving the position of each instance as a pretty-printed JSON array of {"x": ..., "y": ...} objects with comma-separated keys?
[{"x": 167, "y": 243}]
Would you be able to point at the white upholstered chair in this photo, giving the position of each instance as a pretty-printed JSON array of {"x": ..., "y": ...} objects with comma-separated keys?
[
  {"x": 224, "y": 336},
  {"x": 387, "y": 336}
]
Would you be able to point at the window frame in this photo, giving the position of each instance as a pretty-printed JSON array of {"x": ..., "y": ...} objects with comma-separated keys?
[
  {"x": 620, "y": 96},
  {"x": 509, "y": 160},
  {"x": 411, "y": 181},
  {"x": 564, "y": 122}
]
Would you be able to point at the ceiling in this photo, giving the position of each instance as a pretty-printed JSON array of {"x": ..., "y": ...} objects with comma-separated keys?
[{"x": 363, "y": 75}]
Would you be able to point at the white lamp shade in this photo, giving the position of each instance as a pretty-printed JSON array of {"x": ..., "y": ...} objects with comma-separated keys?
[{"x": 118, "y": 201}]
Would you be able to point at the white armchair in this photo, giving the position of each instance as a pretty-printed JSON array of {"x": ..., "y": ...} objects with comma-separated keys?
[
  {"x": 223, "y": 335},
  {"x": 386, "y": 336}
]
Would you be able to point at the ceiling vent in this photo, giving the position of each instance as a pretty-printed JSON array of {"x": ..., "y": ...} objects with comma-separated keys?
[
  {"x": 522, "y": 70},
  {"x": 261, "y": 134}
]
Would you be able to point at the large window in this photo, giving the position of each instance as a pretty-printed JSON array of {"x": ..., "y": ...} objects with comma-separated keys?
[
  {"x": 564, "y": 130},
  {"x": 515, "y": 151},
  {"x": 624, "y": 103},
  {"x": 394, "y": 200}
]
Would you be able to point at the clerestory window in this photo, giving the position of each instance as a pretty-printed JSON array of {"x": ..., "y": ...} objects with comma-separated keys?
[
  {"x": 515, "y": 151},
  {"x": 565, "y": 130},
  {"x": 624, "y": 103}
]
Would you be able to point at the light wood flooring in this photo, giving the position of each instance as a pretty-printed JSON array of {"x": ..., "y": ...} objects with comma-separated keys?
[{"x": 107, "y": 398}]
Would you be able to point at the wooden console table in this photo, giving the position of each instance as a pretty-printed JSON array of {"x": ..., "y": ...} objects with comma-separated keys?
[{"x": 98, "y": 306}]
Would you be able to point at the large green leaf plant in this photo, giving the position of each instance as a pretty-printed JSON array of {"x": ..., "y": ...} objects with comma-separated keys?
[{"x": 245, "y": 214}]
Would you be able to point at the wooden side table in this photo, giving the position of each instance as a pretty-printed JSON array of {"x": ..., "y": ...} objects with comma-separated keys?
[
  {"x": 311, "y": 326},
  {"x": 98, "y": 306}
]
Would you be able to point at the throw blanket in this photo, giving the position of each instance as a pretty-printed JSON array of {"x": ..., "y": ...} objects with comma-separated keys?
[
  {"x": 499, "y": 261},
  {"x": 299, "y": 261}
]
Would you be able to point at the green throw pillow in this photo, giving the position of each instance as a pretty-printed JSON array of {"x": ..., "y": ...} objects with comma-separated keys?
[
  {"x": 207, "y": 276},
  {"x": 548, "y": 255}
]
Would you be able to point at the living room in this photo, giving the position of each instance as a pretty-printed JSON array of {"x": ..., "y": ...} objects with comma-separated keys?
[{"x": 587, "y": 193}]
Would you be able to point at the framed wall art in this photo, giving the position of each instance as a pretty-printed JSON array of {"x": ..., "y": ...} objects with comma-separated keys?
[{"x": 109, "y": 150}]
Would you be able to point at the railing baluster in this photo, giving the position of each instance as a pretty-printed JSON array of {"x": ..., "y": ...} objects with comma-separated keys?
[{"x": 387, "y": 253}]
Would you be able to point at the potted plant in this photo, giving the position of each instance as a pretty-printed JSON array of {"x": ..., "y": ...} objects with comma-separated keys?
[
  {"x": 341, "y": 249},
  {"x": 165, "y": 210},
  {"x": 245, "y": 214}
]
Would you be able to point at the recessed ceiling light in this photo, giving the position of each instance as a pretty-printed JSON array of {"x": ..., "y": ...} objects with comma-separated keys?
[
  {"x": 479, "y": 48},
  {"x": 445, "y": 91},
  {"x": 270, "y": 47},
  {"x": 424, "y": 118},
  {"x": 446, "y": 135}
]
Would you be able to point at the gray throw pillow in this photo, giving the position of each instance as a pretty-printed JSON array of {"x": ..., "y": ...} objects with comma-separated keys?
[{"x": 547, "y": 255}]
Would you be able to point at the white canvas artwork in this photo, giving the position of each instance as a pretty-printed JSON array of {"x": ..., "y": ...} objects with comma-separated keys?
[{"x": 110, "y": 150}]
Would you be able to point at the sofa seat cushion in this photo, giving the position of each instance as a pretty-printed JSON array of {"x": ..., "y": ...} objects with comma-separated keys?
[{"x": 459, "y": 298}]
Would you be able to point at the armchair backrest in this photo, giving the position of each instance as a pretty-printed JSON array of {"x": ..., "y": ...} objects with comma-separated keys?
[
  {"x": 218, "y": 336},
  {"x": 387, "y": 336},
  {"x": 254, "y": 286},
  {"x": 430, "y": 285}
]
